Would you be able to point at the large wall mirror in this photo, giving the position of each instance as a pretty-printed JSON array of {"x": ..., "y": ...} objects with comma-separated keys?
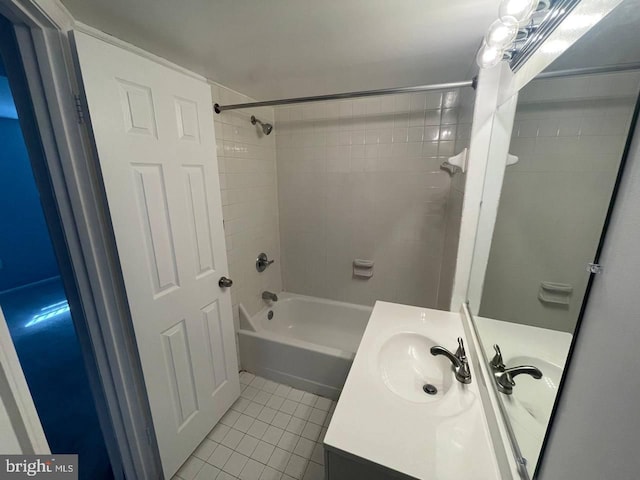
[{"x": 567, "y": 147}]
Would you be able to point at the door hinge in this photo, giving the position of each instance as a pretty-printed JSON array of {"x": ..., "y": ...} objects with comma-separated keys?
[
  {"x": 594, "y": 268},
  {"x": 79, "y": 108},
  {"x": 149, "y": 439}
]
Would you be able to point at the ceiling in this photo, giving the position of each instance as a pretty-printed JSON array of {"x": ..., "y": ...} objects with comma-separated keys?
[{"x": 285, "y": 48}]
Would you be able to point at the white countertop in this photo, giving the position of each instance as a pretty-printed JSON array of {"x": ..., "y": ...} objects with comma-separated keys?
[{"x": 447, "y": 439}]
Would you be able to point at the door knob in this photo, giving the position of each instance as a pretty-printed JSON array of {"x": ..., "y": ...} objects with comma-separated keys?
[{"x": 225, "y": 282}]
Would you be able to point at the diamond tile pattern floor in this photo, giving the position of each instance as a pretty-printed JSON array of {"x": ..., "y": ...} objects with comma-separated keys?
[{"x": 272, "y": 432}]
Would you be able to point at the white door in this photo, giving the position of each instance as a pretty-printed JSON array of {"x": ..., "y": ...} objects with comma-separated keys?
[{"x": 153, "y": 129}]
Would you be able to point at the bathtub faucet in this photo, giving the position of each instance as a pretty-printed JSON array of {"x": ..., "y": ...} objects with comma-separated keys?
[{"x": 269, "y": 296}]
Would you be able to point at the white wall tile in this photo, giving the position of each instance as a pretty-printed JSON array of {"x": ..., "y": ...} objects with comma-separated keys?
[
  {"x": 569, "y": 134},
  {"x": 433, "y": 117},
  {"x": 247, "y": 160},
  {"x": 434, "y": 100},
  {"x": 373, "y": 190}
]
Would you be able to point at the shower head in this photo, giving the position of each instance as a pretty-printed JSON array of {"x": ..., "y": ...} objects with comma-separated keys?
[{"x": 266, "y": 127}]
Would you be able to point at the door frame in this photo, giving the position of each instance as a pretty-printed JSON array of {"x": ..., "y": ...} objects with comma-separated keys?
[{"x": 104, "y": 329}]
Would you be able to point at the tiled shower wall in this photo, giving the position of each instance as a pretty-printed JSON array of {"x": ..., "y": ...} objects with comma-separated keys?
[
  {"x": 361, "y": 179},
  {"x": 247, "y": 164},
  {"x": 456, "y": 197},
  {"x": 569, "y": 134}
]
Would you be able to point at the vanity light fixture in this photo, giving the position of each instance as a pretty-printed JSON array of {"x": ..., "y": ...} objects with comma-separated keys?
[
  {"x": 518, "y": 10},
  {"x": 522, "y": 26},
  {"x": 502, "y": 33},
  {"x": 513, "y": 25},
  {"x": 489, "y": 56}
]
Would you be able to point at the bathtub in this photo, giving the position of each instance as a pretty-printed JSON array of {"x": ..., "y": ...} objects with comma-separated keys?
[{"x": 309, "y": 343}]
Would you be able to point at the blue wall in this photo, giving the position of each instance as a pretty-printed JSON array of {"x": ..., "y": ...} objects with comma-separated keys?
[{"x": 25, "y": 247}]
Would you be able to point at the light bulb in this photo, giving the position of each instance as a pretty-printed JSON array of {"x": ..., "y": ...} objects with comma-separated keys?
[
  {"x": 521, "y": 10},
  {"x": 502, "y": 33},
  {"x": 489, "y": 56}
]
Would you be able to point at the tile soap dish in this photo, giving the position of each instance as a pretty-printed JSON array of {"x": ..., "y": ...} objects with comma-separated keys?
[
  {"x": 363, "y": 268},
  {"x": 556, "y": 293}
]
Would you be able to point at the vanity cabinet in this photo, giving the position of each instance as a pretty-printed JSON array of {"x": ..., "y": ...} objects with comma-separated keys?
[{"x": 342, "y": 466}]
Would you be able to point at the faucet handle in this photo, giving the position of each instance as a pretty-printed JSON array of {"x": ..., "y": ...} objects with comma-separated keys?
[
  {"x": 460, "y": 352},
  {"x": 262, "y": 262},
  {"x": 497, "y": 362}
]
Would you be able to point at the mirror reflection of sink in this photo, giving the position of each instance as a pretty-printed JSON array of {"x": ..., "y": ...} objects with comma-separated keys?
[
  {"x": 405, "y": 365},
  {"x": 537, "y": 396}
]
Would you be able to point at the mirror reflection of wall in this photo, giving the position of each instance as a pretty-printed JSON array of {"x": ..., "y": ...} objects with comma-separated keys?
[
  {"x": 569, "y": 135},
  {"x": 570, "y": 130}
]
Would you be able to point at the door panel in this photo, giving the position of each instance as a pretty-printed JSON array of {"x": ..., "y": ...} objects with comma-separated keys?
[
  {"x": 213, "y": 328},
  {"x": 180, "y": 372},
  {"x": 198, "y": 215},
  {"x": 153, "y": 129},
  {"x": 153, "y": 215}
]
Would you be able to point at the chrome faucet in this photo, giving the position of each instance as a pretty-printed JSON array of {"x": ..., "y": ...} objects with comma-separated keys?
[
  {"x": 505, "y": 379},
  {"x": 458, "y": 360},
  {"x": 504, "y": 376},
  {"x": 269, "y": 296}
]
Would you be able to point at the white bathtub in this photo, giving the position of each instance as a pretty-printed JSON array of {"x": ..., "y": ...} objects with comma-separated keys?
[{"x": 309, "y": 343}]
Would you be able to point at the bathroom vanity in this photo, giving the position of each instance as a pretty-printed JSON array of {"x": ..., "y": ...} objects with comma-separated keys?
[{"x": 402, "y": 413}]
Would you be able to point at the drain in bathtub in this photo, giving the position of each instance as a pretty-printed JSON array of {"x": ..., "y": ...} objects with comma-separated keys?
[
  {"x": 270, "y": 314},
  {"x": 429, "y": 389}
]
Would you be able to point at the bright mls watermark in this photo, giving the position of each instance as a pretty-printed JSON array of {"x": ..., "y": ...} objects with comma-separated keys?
[{"x": 41, "y": 467}]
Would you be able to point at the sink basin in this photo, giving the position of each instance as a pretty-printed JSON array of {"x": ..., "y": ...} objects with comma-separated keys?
[
  {"x": 537, "y": 396},
  {"x": 405, "y": 365}
]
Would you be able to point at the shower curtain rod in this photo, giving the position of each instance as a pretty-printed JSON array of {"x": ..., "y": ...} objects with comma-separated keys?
[
  {"x": 337, "y": 96},
  {"x": 624, "y": 67},
  {"x": 421, "y": 88}
]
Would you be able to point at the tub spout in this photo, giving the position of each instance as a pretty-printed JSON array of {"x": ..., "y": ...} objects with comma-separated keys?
[{"x": 269, "y": 296}]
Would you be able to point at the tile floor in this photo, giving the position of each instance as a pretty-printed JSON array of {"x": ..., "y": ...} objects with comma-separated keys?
[{"x": 272, "y": 432}]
